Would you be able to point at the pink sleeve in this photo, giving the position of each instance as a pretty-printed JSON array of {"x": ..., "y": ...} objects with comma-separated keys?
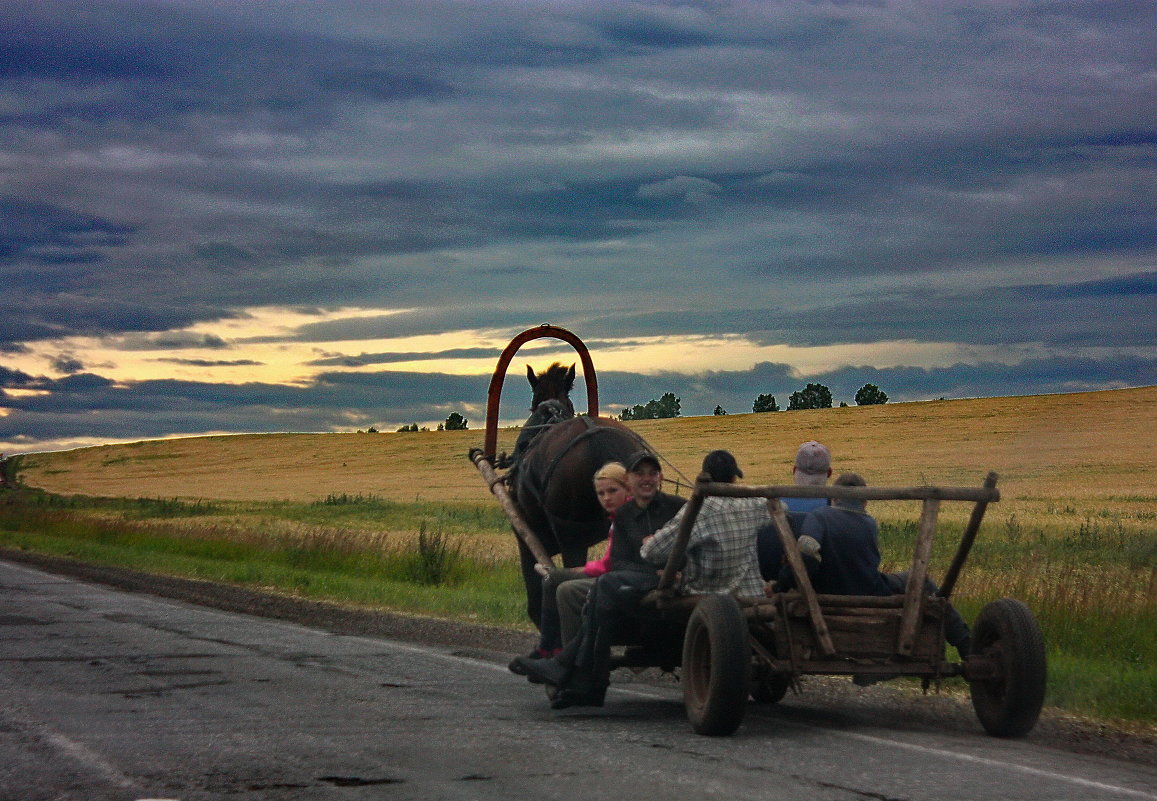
[{"x": 594, "y": 569}]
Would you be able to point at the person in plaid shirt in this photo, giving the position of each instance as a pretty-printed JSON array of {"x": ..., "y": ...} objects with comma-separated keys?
[{"x": 721, "y": 553}]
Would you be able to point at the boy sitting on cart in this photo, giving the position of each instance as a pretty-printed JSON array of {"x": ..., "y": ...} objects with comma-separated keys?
[{"x": 721, "y": 558}]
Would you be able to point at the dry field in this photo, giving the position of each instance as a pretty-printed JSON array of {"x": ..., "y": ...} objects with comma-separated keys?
[
  {"x": 1073, "y": 535},
  {"x": 1076, "y": 456}
]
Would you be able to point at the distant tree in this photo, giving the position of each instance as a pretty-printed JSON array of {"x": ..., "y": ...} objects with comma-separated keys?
[
  {"x": 765, "y": 403},
  {"x": 455, "y": 422},
  {"x": 813, "y": 396},
  {"x": 410, "y": 427},
  {"x": 720, "y": 410},
  {"x": 666, "y": 406},
  {"x": 870, "y": 395},
  {"x": 371, "y": 430},
  {"x": 843, "y": 404}
]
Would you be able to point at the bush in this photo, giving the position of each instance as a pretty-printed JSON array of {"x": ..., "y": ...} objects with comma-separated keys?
[{"x": 435, "y": 559}]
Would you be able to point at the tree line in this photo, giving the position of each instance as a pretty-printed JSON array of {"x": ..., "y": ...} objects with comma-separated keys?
[{"x": 813, "y": 396}]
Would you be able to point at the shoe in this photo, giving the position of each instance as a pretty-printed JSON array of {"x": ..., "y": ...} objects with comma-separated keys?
[
  {"x": 568, "y": 697},
  {"x": 547, "y": 671},
  {"x": 515, "y": 665}
]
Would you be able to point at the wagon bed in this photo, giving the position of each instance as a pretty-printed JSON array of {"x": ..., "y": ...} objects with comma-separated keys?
[{"x": 733, "y": 647}]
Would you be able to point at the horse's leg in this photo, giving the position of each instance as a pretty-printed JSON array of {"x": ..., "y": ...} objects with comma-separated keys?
[
  {"x": 533, "y": 583},
  {"x": 574, "y": 554}
]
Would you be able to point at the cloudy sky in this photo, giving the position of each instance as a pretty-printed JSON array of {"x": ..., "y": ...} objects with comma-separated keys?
[{"x": 223, "y": 216}]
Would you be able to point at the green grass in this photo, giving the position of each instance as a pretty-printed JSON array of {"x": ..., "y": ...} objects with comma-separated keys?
[
  {"x": 435, "y": 576},
  {"x": 1090, "y": 581}
]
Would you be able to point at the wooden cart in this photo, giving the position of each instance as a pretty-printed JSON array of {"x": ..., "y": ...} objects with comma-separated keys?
[
  {"x": 735, "y": 647},
  {"x": 728, "y": 649}
]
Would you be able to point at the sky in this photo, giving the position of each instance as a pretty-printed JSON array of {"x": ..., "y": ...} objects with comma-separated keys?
[{"x": 231, "y": 216}]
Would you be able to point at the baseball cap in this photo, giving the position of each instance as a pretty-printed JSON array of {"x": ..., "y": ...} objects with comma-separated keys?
[
  {"x": 640, "y": 457},
  {"x": 813, "y": 459}
]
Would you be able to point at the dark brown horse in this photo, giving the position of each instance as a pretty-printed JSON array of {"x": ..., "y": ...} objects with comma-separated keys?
[{"x": 557, "y": 455}]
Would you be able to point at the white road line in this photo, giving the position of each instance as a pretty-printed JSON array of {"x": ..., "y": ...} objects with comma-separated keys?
[
  {"x": 86, "y": 756},
  {"x": 990, "y": 762}
]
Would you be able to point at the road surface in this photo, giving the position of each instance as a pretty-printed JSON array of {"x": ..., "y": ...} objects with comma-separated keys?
[{"x": 117, "y": 695}]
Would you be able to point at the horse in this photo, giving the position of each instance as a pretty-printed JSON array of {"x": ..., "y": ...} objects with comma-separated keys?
[{"x": 552, "y": 480}]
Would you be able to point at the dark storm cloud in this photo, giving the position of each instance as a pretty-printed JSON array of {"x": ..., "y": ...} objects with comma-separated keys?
[
  {"x": 788, "y": 172},
  {"x": 67, "y": 364},
  {"x": 15, "y": 379},
  {"x": 1113, "y": 313},
  {"x": 212, "y": 362},
  {"x": 171, "y": 340},
  {"x": 363, "y": 359},
  {"x": 90, "y": 406}
]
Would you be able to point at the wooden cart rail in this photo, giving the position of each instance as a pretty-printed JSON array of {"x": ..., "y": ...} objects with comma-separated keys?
[{"x": 984, "y": 494}]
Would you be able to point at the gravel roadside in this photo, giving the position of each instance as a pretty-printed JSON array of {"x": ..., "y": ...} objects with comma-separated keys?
[{"x": 826, "y": 696}]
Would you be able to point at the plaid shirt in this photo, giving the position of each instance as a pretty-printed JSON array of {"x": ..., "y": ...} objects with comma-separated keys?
[{"x": 721, "y": 554}]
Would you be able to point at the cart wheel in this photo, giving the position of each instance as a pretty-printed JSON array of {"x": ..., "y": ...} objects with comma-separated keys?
[
  {"x": 1008, "y": 705},
  {"x": 770, "y": 690},
  {"x": 716, "y": 666}
]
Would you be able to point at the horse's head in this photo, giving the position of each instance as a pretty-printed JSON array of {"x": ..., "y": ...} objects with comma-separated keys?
[{"x": 554, "y": 383}]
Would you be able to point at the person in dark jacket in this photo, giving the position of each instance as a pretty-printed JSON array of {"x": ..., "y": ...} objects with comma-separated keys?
[
  {"x": 813, "y": 467},
  {"x": 840, "y": 549},
  {"x": 582, "y": 670}
]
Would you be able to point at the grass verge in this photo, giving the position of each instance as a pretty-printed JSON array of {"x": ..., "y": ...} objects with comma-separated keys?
[{"x": 1093, "y": 591}]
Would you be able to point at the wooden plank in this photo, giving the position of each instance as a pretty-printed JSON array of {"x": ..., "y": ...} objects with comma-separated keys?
[
  {"x": 510, "y": 508},
  {"x": 682, "y": 536},
  {"x": 914, "y": 592},
  {"x": 966, "y": 541},
  {"x": 974, "y": 494},
  {"x": 803, "y": 583}
]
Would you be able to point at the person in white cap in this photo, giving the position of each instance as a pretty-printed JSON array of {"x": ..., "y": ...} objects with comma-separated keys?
[{"x": 813, "y": 467}]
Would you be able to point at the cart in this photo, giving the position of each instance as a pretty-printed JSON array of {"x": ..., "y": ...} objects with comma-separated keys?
[
  {"x": 730, "y": 648},
  {"x": 727, "y": 649}
]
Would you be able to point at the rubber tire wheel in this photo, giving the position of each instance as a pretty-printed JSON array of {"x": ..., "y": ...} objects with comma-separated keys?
[
  {"x": 716, "y": 673},
  {"x": 1009, "y": 705},
  {"x": 771, "y": 690}
]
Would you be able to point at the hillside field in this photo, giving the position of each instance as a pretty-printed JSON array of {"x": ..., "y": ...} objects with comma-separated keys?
[
  {"x": 1084, "y": 454},
  {"x": 404, "y": 521}
]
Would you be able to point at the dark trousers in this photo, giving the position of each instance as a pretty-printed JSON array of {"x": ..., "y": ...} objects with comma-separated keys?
[
  {"x": 955, "y": 629},
  {"x": 612, "y": 603}
]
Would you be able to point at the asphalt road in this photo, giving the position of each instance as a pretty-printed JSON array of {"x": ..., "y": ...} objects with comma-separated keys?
[{"x": 116, "y": 695}]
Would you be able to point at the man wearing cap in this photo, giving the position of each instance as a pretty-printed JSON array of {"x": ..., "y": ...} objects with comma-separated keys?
[
  {"x": 721, "y": 548},
  {"x": 648, "y": 509},
  {"x": 582, "y": 670},
  {"x": 841, "y": 552},
  {"x": 813, "y": 467}
]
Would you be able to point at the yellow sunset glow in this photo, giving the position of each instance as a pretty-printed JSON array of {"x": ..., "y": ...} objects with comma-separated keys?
[{"x": 262, "y": 345}]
